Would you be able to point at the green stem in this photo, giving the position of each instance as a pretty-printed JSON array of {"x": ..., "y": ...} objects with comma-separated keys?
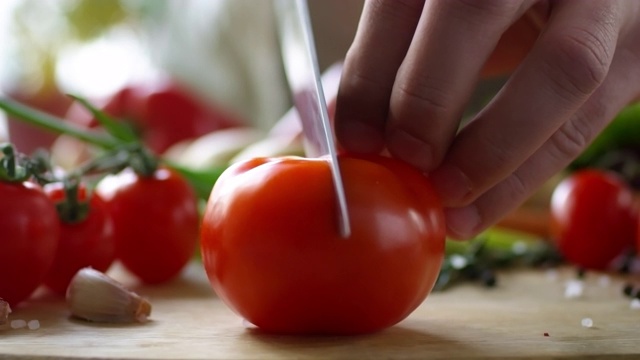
[
  {"x": 39, "y": 166},
  {"x": 143, "y": 162},
  {"x": 10, "y": 156},
  {"x": 10, "y": 168},
  {"x": 71, "y": 209},
  {"x": 52, "y": 123},
  {"x": 111, "y": 161}
]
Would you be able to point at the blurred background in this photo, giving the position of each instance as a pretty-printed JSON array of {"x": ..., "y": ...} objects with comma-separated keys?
[{"x": 220, "y": 54}]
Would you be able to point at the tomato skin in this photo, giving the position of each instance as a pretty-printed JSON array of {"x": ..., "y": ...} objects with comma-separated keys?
[
  {"x": 28, "y": 239},
  {"x": 156, "y": 222},
  {"x": 89, "y": 242},
  {"x": 272, "y": 250},
  {"x": 593, "y": 218}
]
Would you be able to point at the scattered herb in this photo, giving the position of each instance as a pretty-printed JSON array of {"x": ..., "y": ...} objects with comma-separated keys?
[{"x": 480, "y": 258}]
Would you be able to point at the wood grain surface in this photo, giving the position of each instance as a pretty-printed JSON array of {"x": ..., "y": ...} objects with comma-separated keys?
[{"x": 466, "y": 321}]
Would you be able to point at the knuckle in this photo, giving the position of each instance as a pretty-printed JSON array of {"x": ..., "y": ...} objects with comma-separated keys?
[
  {"x": 572, "y": 137},
  {"x": 361, "y": 80},
  {"x": 361, "y": 84},
  {"x": 425, "y": 94},
  {"x": 518, "y": 188},
  {"x": 580, "y": 61}
]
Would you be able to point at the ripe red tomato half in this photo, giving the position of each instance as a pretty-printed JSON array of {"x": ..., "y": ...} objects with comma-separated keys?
[
  {"x": 28, "y": 239},
  {"x": 156, "y": 222},
  {"x": 593, "y": 218},
  {"x": 86, "y": 242},
  {"x": 272, "y": 250}
]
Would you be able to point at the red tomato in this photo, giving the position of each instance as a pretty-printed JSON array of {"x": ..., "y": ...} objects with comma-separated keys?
[
  {"x": 156, "y": 222},
  {"x": 272, "y": 250},
  {"x": 86, "y": 242},
  {"x": 593, "y": 218},
  {"x": 163, "y": 113},
  {"x": 28, "y": 239}
]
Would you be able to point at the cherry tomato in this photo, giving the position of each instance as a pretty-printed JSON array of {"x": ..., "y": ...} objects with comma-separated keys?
[
  {"x": 156, "y": 222},
  {"x": 163, "y": 112},
  {"x": 272, "y": 250},
  {"x": 28, "y": 239},
  {"x": 593, "y": 218},
  {"x": 86, "y": 241}
]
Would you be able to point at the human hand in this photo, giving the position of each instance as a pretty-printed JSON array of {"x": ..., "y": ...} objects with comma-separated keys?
[{"x": 414, "y": 64}]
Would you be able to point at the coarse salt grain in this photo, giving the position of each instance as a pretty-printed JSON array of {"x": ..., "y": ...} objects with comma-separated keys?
[
  {"x": 635, "y": 304},
  {"x": 574, "y": 289},
  {"x": 18, "y": 324},
  {"x": 458, "y": 261},
  {"x": 587, "y": 322},
  {"x": 33, "y": 324},
  {"x": 552, "y": 274}
]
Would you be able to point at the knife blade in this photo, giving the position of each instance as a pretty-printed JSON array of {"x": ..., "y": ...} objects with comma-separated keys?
[{"x": 303, "y": 75}]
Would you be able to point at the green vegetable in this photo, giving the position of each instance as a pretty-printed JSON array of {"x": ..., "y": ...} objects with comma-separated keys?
[
  {"x": 479, "y": 258},
  {"x": 622, "y": 133},
  {"x": 201, "y": 180}
]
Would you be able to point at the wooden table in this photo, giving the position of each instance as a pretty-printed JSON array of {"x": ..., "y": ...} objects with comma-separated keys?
[{"x": 467, "y": 321}]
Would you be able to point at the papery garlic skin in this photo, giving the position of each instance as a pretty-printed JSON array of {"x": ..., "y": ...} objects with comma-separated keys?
[{"x": 94, "y": 296}]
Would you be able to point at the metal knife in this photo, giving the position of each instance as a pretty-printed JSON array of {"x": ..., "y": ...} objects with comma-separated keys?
[{"x": 303, "y": 74}]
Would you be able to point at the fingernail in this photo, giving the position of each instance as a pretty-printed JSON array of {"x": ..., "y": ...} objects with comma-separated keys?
[
  {"x": 410, "y": 149},
  {"x": 360, "y": 138},
  {"x": 451, "y": 183},
  {"x": 462, "y": 222}
]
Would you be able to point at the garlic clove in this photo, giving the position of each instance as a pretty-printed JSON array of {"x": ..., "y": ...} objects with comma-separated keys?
[
  {"x": 5, "y": 310},
  {"x": 94, "y": 296}
]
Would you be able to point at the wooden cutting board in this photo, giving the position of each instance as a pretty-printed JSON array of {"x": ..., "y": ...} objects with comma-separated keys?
[{"x": 466, "y": 321}]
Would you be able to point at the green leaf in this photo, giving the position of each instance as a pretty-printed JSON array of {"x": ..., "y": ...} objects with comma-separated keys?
[
  {"x": 49, "y": 122},
  {"x": 202, "y": 181},
  {"x": 117, "y": 129}
]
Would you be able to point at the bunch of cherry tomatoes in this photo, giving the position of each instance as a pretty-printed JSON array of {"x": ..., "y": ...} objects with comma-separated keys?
[
  {"x": 142, "y": 214},
  {"x": 53, "y": 225}
]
